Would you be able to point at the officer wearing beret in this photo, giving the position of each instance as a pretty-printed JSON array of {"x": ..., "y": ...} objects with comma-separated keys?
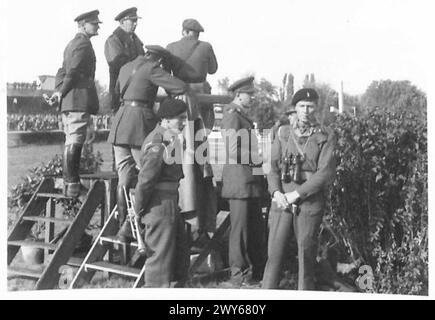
[
  {"x": 121, "y": 47},
  {"x": 192, "y": 61},
  {"x": 242, "y": 188},
  {"x": 137, "y": 86},
  {"x": 303, "y": 166},
  {"x": 156, "y": 199},
  {"x": 75, "y": 90}
]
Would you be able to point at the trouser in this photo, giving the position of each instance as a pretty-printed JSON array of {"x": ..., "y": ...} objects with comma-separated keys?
[
  {"x": 247, "y": 238},
  {"x": 127, "y": 161},
  {"x": 75, "y": 126},
  {"x": 306, "y": 228},
  {"x": 166, "y": 240}
]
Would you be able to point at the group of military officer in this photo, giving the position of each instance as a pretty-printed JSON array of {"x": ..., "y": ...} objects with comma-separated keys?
[{"x": 143, "y": 137}]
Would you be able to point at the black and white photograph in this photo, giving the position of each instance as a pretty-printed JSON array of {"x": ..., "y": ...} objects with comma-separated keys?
[{"x": 216, "y": 149}]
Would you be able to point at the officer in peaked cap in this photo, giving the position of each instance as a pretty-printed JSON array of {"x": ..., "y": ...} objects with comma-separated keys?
[
  {"x": 156, "y": 196},
  {"x": 243, "y": 188},
  {"x": 158, "y": 50},
  {"x": 302, "y": 167},
  {"x": 245, "y": 85},
  {"x": 121, "y": 47},
  {"x": 75, "y": 90},
  {"x": 90, "y": 17},
  {"x": 130, "y": 13}
]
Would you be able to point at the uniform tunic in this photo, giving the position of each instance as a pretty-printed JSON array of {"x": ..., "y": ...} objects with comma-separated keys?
[
  {"x": 156, "y": 199},
  {"x": 243, "y": 189},
  {"x": 132, "y": 124},
  {"x": 75, "y": 79},
  {"x": 318, "y": 145},
  {"x": 119, "y": 49}
]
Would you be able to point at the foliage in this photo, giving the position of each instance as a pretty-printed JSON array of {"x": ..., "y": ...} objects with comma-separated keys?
[
  {"x": 395, "y": 95},
  {"x": 103, "y": 98},
  {"x": 265, "y": 106},
  {"x": 23, "y": 191},
  {"x": 378, "y": 202}
]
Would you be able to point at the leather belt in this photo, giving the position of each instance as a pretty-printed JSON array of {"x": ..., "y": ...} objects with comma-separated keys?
[
  {"x": 167, "y": 186},
  {"x": 135, "y": 103}
]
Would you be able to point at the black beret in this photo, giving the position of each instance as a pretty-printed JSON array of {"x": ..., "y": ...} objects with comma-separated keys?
[
  {"x": 91, "y": 17},
  {"x": 130, "y": 13},
  {"x": 159, "y": 50},
  {"x": 245, "y": 85},
  {"x": 192, "y": 24},
  {"x": 306, "y": 94},
  {"x": 170, "y": 108}
]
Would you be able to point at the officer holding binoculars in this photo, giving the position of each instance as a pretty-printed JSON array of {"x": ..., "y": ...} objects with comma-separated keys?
[{"x": 303, "y": 166}]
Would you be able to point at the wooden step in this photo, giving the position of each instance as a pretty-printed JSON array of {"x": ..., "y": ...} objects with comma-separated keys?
[
  {"x": 48, "y": 219},
  {"x": 115, "y": 240},
  {"x": 104, "y": 175},
  {"x": 75, "y": 261},
  {"x": 34, "y": 244},
  {"x": 113, "y": 268},
  {"x": 52, "y": 195},
  {"x": 16, "y": 271}
]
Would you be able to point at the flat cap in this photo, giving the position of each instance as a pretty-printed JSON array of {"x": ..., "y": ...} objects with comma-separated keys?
[
  {"x": 192, "y": 24},
  {"x": 306, "y": 94},
  {"x": 170, "y": 108},
  {"x": 130, "y": 13},
  {"x": 159, "y": 50},
  {"x": 244, "y": 85},
  {"x": 91, "y": 17}
]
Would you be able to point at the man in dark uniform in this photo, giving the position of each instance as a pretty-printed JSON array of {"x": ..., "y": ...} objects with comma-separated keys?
[
  {"x": 156, "y": 199},
  {"x": 191, "y": 62},
  {"x": 76, "y": 93},
  {"x": 243, "y": 188},
  {"x": 121, "y": 47},
  {"x": 303, "y": 166},
  {"x": 137, "y": 86}
]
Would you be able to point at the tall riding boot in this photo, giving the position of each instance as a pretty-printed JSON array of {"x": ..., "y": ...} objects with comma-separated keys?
[
  {"x": 71, "y": 167},
  {"x": 125, "y": 234}
]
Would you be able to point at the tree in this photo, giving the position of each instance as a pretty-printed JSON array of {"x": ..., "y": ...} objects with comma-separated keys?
[
  {"x": 103, "y": 97},
  {"x": 266, "y": 105},
  {"x": 395, "y": 95}
]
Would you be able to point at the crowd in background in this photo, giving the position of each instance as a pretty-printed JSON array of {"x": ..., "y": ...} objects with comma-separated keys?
[{"x": 47, "y": 122}]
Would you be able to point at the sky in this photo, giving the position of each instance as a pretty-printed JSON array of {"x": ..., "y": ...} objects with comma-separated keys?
[{"x": 351, "y": 41}]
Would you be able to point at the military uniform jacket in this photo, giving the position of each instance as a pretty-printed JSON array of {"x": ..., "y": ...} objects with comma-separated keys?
[
  {"x": 238, "y": 180},
  {"x": 154, "y": 168},
  {"x": 193, "y": 59},
  {"x": 119, "y": 49},
  {"x": 319, "y": 162},
  {"x": 131, "y": 125},
  {"x": 75, "y": 79}
]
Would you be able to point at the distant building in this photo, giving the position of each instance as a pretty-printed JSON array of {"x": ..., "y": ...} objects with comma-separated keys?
[{"x": 26, "y": 98}]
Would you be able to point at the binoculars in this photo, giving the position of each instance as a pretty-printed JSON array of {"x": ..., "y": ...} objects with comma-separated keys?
[{"x": 292, "y": 169}]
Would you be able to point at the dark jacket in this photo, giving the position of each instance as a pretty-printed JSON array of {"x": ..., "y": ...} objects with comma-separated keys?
[
  {"x": 238, "y": 180},
  {"x": 155, "y": 169},
  {"x": 193, "y": 59},
  {"x": 131, "y": 124},
  {"x": 75, "y": 79},
  {"x": 319, "y": 163},
  {"x": 119, "y": 49}
]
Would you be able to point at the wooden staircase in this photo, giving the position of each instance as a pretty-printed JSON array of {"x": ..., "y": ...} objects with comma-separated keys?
[{"x": 41, "y": 209}]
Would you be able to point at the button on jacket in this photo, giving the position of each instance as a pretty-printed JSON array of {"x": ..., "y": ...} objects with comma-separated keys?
[
  {"x": 238, "y": 180},
  {"x": 75, "y": 79},
  {"x": 119, "y": 49}
]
